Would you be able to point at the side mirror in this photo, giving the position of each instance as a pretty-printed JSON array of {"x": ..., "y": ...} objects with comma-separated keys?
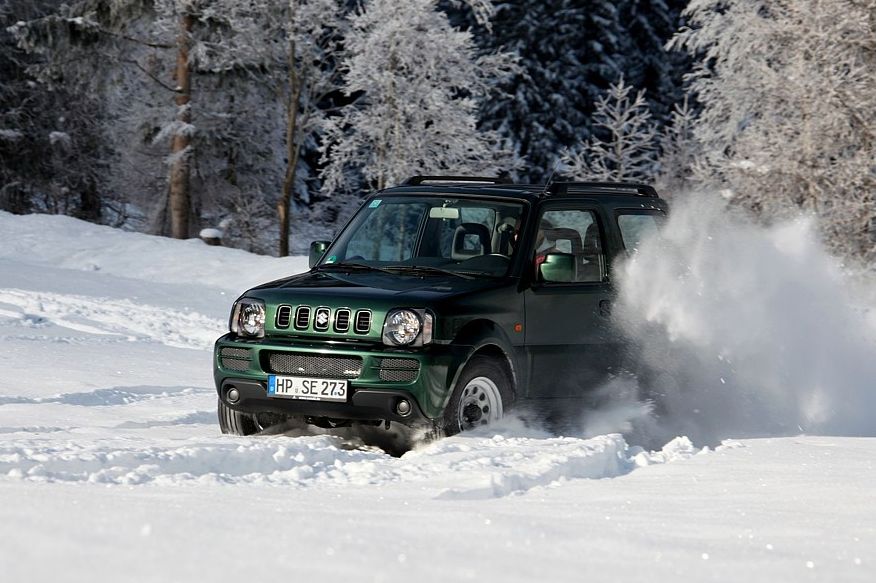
[
  {"x": 557, "y": 267},
  {"x": 317, "y": 250}
]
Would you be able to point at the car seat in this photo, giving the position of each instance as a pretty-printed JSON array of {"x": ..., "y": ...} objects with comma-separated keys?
[
  {"x": 590, "y": 267},
  {"x": 504, "y": 239},
  {"x": 463, "y": 237}
]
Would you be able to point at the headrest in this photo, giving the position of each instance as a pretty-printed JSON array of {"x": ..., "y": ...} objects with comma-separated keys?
[
  {"x": 470, "y": 240},
  {"x": 565, "y": 234},
  {"x": 592, "y": 244}
]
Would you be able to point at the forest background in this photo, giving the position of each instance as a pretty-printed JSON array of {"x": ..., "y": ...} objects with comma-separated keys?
[{"x": 269, "y": 119}]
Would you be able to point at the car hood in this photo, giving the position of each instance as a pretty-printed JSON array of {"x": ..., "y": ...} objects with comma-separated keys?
[{"x": 374, "y": 286}]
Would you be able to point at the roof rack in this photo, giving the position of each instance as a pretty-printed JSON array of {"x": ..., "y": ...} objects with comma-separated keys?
[
  {"x": 418, "y": 180},
  {"x": 635, "y": 188}
]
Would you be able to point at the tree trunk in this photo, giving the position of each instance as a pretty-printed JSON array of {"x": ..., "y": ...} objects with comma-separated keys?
[
  {"x": 293, "y": 150},
  {"x": 179, "y": 199},
  {"x": 871, "y": 141},
  {"x": 89, "y": 201}
]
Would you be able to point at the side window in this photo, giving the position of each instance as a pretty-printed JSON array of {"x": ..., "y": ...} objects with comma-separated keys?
[
  {"x": 568, "y": 247},
  {"x": 637, "y": 227}
]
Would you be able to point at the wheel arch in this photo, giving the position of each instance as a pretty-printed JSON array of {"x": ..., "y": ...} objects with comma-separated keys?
[{"x": 485, "y": 338}]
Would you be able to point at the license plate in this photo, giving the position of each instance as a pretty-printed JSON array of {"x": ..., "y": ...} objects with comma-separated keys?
[{"x": 308, "y": 389}]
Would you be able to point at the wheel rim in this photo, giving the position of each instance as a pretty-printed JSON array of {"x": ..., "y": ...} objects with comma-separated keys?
[{"x": 480, "y": 404}]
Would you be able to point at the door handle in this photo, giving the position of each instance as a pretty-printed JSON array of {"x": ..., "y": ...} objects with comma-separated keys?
[{"x": 605, "y": 308}]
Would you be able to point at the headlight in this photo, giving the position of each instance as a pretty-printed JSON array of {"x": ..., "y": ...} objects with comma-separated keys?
[
  {"x": 407, "y": 327},
  {"x": 248, "y": 318}
]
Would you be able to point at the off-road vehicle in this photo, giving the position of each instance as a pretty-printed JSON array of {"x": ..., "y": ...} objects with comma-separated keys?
[{"x": 442, "y": 303}]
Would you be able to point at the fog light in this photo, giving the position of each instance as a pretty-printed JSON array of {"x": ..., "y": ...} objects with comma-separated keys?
[
  {"x": 403, "y": 408},
  {"x": 233, "y": 395}
]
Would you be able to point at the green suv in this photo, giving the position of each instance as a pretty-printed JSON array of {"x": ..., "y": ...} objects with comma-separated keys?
[{"x": 442, "y": 303}]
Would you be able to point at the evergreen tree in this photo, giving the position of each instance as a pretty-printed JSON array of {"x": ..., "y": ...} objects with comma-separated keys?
[
  {"x": 570, "y": 51},
  {"x": 648, "y": 25},
  {"x": 678, "y": 151},
  {"x": 622, "y": 147},
  {"x": 51, "y": 140}
]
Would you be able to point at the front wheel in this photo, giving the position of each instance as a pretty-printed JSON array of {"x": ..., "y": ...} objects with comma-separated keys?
[
  {"x": 236, "y": 423},
  {"x": 481, "y": 396}
]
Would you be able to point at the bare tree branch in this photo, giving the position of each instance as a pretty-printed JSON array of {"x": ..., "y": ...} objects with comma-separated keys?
[{"x": 151, "y": 75}]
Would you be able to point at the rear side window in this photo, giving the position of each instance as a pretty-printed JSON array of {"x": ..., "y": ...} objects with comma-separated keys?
[
  {"x": 637, "y": 227},
  {"x": 573, "y": 233}
]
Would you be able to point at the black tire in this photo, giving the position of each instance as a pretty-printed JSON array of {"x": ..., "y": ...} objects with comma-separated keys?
[
  {"x": 236, "y": 423},
  {"x": 493, "y": 370}
]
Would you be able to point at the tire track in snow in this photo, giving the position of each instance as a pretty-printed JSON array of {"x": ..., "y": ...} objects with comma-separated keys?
[
  {"x": 455, "y": 468},
  {"x": 192, "y": 418},
  {"x": 107, "y": 397},
  {"x": 106, "y": 316}
]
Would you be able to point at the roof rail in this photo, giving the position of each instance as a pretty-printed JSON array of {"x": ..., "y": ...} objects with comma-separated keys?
[
  {"x": 418, "y": 180},
  {"x": 636, "y": 188}
]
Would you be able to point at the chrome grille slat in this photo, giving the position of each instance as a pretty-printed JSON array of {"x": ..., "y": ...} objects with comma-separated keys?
[
  {"x": 342, "y": 320},
  {"x": 284, "y": 316},
  {"x": 314, "y": 365},
  {"x": 363, "y": 322},
  {"x": 302, "y": 317}
]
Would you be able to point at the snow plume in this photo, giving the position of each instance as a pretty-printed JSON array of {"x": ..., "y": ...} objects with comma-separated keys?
[{"x": 754, "y": 330}]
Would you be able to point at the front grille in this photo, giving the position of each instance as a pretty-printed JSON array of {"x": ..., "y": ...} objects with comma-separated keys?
[
  {"x": 234, "y": 358},
  {"x": 314, "y": 365},
  {"x": 398, "y": 370},
  {"x": 284, "y": 316},
  {"x": 321, "y": 319},
  {"x": 363, "y": 322},
  {"x": 302, "y": 317},
  {"x": 342, "y": 320}
]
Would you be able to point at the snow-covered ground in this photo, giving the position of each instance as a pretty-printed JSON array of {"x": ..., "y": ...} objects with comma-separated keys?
[{"x": 112, "y": 467}]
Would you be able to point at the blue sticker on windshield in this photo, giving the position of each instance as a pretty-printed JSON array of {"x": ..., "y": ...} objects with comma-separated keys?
[
  {"x": 332, "y": 259},
  {"x": 374, "y": 203}
]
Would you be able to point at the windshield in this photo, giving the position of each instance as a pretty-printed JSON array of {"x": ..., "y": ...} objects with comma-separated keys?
[{"x": 432, "y": 235}]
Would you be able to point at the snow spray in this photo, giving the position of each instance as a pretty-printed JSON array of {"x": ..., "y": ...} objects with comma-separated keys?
[{"x": 747, "y": 330}]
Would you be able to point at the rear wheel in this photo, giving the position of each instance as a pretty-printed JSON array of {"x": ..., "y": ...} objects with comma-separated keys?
[
  {"x": 481, "y": 396},
  {"x": 236, "y": 423}
]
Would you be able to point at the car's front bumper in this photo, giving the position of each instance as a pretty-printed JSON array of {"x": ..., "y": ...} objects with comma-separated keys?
[{"x": 373, "y": 394}]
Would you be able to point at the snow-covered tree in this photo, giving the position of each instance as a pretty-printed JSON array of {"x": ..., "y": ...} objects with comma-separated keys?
[
  {"x": 416, "y": 83},
  {"x": 678, "y": 151},
  {"x": 315, "y": 30},
  {"x": 51, "y": 141},
  {"x": 168, "y": 42},
  {"x": 570, "y": 51},
  {"x": 788, "y": 90},
  {"x": 646, "y": 64},
  {"x": 624, "y": 141}
]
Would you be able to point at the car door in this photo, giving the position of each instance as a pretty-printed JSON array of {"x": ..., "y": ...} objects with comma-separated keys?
[{"x": 568, "y": 335}]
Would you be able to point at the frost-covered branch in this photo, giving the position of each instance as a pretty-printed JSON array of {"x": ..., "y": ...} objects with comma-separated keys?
[
  {"x": 419, "y": 83},
  {"x": 787, "y": 89},
  {"x": 623, "y": 147}
]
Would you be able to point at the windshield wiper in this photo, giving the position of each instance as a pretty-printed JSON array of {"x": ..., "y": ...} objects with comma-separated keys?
[
  {"x": 428, "y": 269},
  {"x": 350, "y": 267}
]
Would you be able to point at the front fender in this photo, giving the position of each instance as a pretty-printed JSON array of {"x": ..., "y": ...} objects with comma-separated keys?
[{"x": 481, "y": 336}]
